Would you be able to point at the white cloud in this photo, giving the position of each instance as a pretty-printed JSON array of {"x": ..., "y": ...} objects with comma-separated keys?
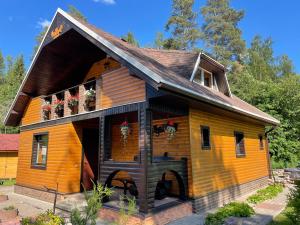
[
  {"x": 44, "y": 23},
  {"x": 107, "y": 2}
]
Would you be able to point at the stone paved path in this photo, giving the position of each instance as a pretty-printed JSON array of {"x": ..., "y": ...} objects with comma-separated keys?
[
  {"x": 265, "y": 212},
  {"x": 27, "y": 206}
]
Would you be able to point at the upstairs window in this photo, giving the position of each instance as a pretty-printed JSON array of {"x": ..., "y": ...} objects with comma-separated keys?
[
  {"x": 204, "y": 78},
  {"x": 205, "y": 137},
  {"x": 261, "y": 142},
  {"x": 239, "y": 144},
  {"x": 39, "y": 150}
]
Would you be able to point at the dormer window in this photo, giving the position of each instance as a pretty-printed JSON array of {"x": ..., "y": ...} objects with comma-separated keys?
[{"x": 204, "y": 78}]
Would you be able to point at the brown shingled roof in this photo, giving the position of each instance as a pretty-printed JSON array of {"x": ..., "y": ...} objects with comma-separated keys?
[{"x": 171, "y": 69}]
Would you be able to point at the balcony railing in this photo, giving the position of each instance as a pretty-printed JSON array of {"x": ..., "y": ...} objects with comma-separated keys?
[{"x": 75, "y": 100}]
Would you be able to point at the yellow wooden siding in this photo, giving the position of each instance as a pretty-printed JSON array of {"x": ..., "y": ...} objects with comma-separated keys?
[
  {"x": 63, "y": 159},
  {"x": 98, "y": 68},
  {"x": 8, "y": 165},
  {"x": 32, "y": 114},
  {"x": 219, "y": 167},
  {"x": 121, "y": 152},
  {"x": 120, "y": 88}
]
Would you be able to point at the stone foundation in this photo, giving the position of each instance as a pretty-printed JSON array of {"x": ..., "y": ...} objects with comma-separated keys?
[
  {"x": 36, "y": 193},
  {"x": 156, "y": 218},
  {"x": 219, "y": 198}
]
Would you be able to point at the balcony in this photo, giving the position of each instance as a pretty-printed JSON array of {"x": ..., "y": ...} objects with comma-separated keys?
[{"x": 79, "y": 99}]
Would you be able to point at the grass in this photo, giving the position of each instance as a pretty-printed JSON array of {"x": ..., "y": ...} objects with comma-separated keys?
[
  {"x": 282, "y": 219},
  {"x": 11, "y": 207},
  {"x": 8, "y": 182},
  {"x": 264, "y": 194},
  {"x": 235, "y": 209}
]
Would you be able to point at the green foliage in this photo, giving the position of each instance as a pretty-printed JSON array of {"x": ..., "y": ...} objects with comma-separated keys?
[
  {"x": 235, "y": 209},
  {"x": 182, "y": 25},
  {"x": 264, "y": 194},
  {"x": 47, "y": 218},
  {"x": 73, "y": 11},
  {"x": 14, "y": 74},
  {"x": 94, "y": 203},
  {"x": 127, "y": 209},
  {"x": 11, "y": 207},
  {"x": 294, "y": 203},
  {"x": 282, "y": 219},
  {"x": 129, "y": 37},
  {"x": 220, "y": 31},
  {"x": 8, "y": 182}
]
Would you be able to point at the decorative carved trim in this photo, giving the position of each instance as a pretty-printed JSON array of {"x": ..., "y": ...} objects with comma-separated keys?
[{"x": 57, "y": 31}]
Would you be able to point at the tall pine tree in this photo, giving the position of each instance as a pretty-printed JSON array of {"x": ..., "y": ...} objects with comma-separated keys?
[
  {"x": 129, "y": 37},
  {"x": 220, "y": 31},
  {"x": 182, "y": 25}
]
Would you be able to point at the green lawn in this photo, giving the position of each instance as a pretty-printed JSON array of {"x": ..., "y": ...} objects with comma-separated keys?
[
  {"x": 281, "y": 219},
  {"x": 9, "y": 182}
]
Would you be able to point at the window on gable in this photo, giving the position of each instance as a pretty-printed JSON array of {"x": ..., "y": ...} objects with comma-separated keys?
[
  {"x": 261, "y": 141},
  {"x": 207, "y": 79},
  {"x": 204, "y": 77},
  {"x": 39, "y": 150},
  {"x": 239, "y": 143},
  {"x": 205, "y": 137}
]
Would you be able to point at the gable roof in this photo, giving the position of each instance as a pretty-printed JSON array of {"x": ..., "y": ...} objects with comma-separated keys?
[
  {"x": 9, "y": 142},
  {"x": 168, "y": 69}
]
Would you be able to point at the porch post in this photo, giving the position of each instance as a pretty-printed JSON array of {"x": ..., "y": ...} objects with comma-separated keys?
[{"x": 145, "y": 147}]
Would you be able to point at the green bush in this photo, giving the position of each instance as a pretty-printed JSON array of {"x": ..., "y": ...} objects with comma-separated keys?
[
  {"x": 294, "y": 204},
  {"x": 94, "y": 203},
  {"x": 267, "y": 193},
  {"x": 235, "y": 209},
  {"x": 47, "y": 218}
]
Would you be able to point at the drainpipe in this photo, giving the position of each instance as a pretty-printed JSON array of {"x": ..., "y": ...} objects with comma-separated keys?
[{"x": 268, "y": 153}]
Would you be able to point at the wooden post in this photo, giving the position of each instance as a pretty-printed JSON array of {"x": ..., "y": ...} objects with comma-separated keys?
[
  {"x": 145, "y": 146},
  {"x": 268, "y": 156}
]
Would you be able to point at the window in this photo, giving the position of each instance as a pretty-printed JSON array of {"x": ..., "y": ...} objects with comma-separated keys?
[
  {"x": 39, "y": 150},
  {"x": 205, "y": 137},
  {"x": 204, "y": 77},
  {"x": 239, "y": 143},
  {"x": 261, "y": 142},
  {"x": 207, "y": 79}
]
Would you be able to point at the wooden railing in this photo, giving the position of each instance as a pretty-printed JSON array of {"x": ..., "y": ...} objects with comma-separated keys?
[{"x": 75, "y": 100}]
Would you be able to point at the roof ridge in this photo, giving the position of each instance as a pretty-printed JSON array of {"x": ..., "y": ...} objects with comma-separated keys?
[{"x": 169, "y": 50}]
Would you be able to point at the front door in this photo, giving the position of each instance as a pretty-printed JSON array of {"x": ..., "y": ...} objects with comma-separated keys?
[{"x": 90, "y": 144}]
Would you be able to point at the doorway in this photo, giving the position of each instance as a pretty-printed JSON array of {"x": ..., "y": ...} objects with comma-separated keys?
[{"x": 90, "y": 157}]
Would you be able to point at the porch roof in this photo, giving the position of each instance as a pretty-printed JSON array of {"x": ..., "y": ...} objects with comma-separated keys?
[{"x": 168, "y": 69}]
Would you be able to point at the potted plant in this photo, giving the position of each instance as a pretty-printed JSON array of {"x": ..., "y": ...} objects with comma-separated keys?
[
  {"x": 59, "y": 107},
  {"x": 46, "y": 109},
  {"x": 90, "y": 98},
  {"x": 73, "y": 101},
  {"x": 124, "y": 129},
  {"x": 8, "y": 213},
  {"x": 171, "y": 129}
]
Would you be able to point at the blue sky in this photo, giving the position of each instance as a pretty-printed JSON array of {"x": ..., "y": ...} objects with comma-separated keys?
[{"x": 21, "y": 21}]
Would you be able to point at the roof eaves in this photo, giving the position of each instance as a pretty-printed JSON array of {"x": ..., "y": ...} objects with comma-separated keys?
[
  {"x": 207, "y": 99},
  {"x": 28, "y": 72}
]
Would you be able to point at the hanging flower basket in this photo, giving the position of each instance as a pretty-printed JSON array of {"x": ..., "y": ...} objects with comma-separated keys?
[
  {"x": 73, "y": 101},
  {"x": 46, "y": 109},
  {"x": 171, "y": 129},
  {"x": 90, "y": 98},
  {"x": 59, "y": 107},
  {"x": 124, "y": 129}
]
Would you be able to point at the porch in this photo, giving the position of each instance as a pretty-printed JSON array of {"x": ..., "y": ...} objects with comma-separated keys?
[{"x": 140, "y": 157}]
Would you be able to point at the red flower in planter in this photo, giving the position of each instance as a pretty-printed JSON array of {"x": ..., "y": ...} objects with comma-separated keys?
[
  {"x": 170, "y": 123},
  {"x": 124, "y": 129},
  {"x": 46, "y": 108},
  {"x": 73, "y": 101}
]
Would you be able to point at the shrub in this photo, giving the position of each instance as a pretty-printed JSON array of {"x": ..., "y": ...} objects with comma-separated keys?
[
  {"x": 47, "y": 218},
  {"x": 127, "y": 209},
  {"x": 94, "y": 203},
  {"x": 11, "y": 207},
  {"x": 294, "y": 204},
  {"x": 232, "y": 209},
  {"x": 267, "y": 193}
]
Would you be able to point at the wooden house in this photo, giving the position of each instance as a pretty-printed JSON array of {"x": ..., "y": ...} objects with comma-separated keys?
[
  {"x": 155, "y": 123},
  {"x": 9, "y": 145}
]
